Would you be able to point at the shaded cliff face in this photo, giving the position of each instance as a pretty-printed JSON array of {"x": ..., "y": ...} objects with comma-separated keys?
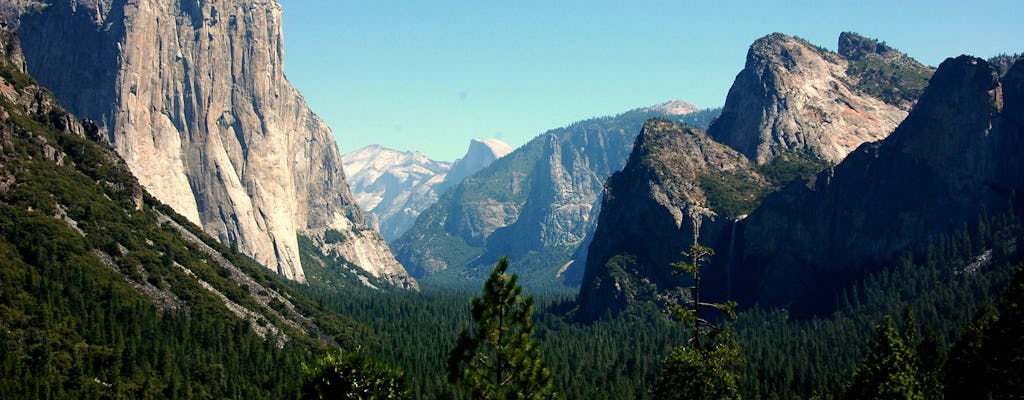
[
  {"x": 955, "y": 156},
  {"x": 654, "y": 209},
  {"x": 193, "y": 95},
  {"x": 794, "y": 96},
  {"x": 535, "y": 205}
]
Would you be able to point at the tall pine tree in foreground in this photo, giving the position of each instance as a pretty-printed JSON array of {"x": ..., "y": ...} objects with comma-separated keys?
[
  {"x": 705, "y": 367},
  {"x": 500, "y": 360}
]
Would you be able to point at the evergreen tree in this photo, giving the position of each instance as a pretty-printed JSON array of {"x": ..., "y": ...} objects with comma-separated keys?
[
  {"x": 988, "y": 361},
  {"x": 900, "y": 365},
  {"x": 704, "y": 368},
  {"x": 501, "y": 360},
  {"x": 967, "y": 368},
  {"x": 352, "y": 376},
  {"x": 891, "y": 370}
]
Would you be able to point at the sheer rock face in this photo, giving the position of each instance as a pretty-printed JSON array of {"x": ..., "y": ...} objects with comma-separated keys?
[
  {"x": 792, "y": 95},
  {"x": 193, "y": 95},
  {"x": 955, "y": 156},
  {"x": 652, "y": 210}
]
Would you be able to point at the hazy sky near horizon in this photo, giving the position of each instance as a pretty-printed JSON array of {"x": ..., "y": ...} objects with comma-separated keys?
[{"x": 431, "y": 75}]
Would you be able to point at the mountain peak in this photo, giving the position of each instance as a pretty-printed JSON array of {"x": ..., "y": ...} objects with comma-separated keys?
[
  {"x": 496, "y": 147},
  {"x": 794, "y": 96},
  {"x": 481, "y": 153},
  {"x": 673, "y": 108},
  {"x": 853, "y": 46}
]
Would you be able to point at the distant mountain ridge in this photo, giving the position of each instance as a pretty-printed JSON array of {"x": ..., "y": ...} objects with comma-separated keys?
[
  {"x": 536, "y": 205},
  {"x": 394, "y": 187}
]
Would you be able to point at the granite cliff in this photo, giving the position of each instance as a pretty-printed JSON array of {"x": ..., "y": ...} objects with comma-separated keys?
[
  {"x": 193, "y": 96},
  {"x": 794, "y": 96},
  {"x": 76, "y": 224},
  {"x": 394, "y": 187},
  {"x": 956, "y": 156}
]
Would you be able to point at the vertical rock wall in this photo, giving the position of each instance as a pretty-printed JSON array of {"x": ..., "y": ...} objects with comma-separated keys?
[{"x": 192, "y": 93}]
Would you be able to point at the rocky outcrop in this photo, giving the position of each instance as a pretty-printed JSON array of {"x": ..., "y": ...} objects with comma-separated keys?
[
  {"x": 955, "y": 156},
  {"x": 654, "y": 209},
  {"x": 883, "y": 72},
  {"x": 193, "y": 95},
  {"x": 395, "y": 187},
  {"x": 535, "y": 205},
  {"x": 794, "y": 96}
]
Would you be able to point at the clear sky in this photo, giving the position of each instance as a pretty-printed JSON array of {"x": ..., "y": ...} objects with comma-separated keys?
[{"x": 431, "y": 75}]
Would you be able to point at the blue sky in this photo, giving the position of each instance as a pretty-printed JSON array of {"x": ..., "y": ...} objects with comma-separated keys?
[{"x": 431, "y": 75}]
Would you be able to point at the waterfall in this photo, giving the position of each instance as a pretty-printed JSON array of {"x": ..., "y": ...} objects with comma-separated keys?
[{"x": 728, "y": 265}]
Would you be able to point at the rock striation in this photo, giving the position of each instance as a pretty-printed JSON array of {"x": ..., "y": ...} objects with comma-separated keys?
[
  {"x": 654, "y": 209},
  {"x": 956, "y": 156},
  {"x": 794, "y": 96},
  {"x": 193, "y": 96},
  {"x": 394, "y": 187}
]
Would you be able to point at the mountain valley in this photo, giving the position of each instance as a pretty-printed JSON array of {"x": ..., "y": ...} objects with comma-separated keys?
[{"x": 177, "y": 222}]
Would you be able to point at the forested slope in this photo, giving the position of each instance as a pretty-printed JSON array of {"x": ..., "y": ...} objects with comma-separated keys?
[{"x": 107, "y": 293}]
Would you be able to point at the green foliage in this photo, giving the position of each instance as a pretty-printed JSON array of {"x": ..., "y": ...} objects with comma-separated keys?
[
  {"x": 895, "y": 83},
  {"x": 18, "y": 79},
  {"x": 95, "y": 300},
  {"x": 501, "y": 360},
  {"x": 332, "y": 236},
  {"x": 704, "y": 368},
  {"x": 732, "y": 193},
  {"x": 791, "y": 165},
  {"x": 694, "y": 373},
  {"x": 799, "y": 358},
  {"x": 988, "y": 361},
  {"x": 893, "y": 369},
  {"x": 352, "y": 376}
]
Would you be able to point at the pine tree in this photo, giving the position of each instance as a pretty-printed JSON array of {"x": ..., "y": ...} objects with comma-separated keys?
[
  {"x": 501, "y": 360},
  {"x": 705, "y": 367},
  {"x": 891, "y": 370}
]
